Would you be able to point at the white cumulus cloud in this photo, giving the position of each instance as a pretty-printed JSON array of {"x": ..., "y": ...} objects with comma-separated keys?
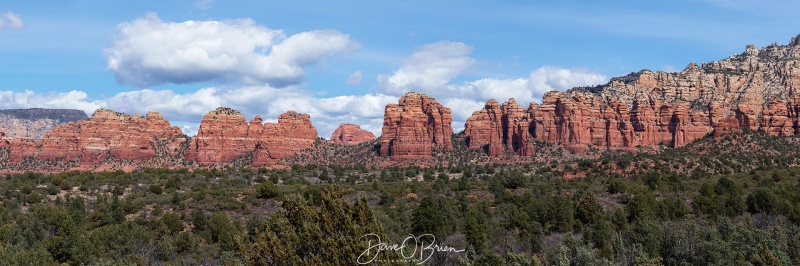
[
  {"x": 428, "y": 69},
  {"x": 549, "y": 78},
  {"x": 148, "y": 51}
]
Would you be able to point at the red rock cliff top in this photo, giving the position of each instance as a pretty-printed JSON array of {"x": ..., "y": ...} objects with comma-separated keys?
[
  {"x": 753, "y": 77},
  {"x": 225, "y": 135},
  {"x": 107, "y": 135}
]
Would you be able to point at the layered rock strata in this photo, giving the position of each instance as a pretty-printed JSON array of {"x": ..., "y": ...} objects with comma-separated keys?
[
  {"x": 414, "y": 126},
  {"x": 106, "y": 135},
  {"x": 500, "y": 128},
  {"x": 756, "y": 90},
  {"x": 225, "y": 135}
]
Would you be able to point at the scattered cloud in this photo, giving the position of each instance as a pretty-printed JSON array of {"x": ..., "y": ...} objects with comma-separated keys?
[
  {"x": 12, "y": 21},
  {"x": 148, "y": 52},
  {"x": 203, "y": 4},
  {"x": 428, "y": 69},
  {"x": 355, "y": 78},
  {"x": 461, "y": 109},
  {"x": 190, "y": 129},
  {"x": 550, "y": 78}
]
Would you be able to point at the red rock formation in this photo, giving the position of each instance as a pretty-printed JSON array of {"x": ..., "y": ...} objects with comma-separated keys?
[
  {"x": 350, "y": 134},
  {"x": 496, "y": 129},
  {"x": 580, "y": 121},
  {"x": 746, "y": 116},
  {"x": 484, "y": 129},
  {"x": 221, "y": 138},
  {"x": 292, "y": 133},
  {"x": 414, "y": 126},
  {"x": 516, "y": 129},
  {"x": 776, "y": 119},
  {"x": 225, "y": 135},
  {"x": 106, "y": 135}
]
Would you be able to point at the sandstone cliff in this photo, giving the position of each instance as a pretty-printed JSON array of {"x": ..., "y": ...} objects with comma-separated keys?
[
  {"x": 33, "y": 123},
  {"x": 106, "y": 140},
  {"x": 756, "y": 89},
  {"x": 350, "y": 134},
  {"x": 414, "y": 126},
  {"x": 753, "y": 77},
  {"x": 500, "y": 128},
  {"x": 225, "y": 136}
]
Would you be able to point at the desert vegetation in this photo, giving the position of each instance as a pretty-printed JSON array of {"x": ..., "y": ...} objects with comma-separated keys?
[{"x": 728, "y": 201}]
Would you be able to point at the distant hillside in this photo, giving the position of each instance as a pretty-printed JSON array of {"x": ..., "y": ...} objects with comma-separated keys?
[{"x": 34, "y": 122}]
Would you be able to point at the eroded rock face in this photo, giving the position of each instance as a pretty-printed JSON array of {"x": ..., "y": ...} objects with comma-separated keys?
[
  {"x": 106, "y": 135},
  {"x": 292, "y": 133},
  {"x": 754, "y": 90},
  {"x": 115, "y": 141},
  {"x": 414, "y": 126},
  {"x": 500, "y": 128},
  {"x": 350, "y": 134},
  {"x": 224, "y": 136},
  {"x": 754, "y": 78},
  {"x": 581, "y": 120},
  {"x": 221, "y": 137}
]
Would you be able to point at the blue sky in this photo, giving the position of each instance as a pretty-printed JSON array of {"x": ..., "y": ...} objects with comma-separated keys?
[{"x": 343, "y": 61}]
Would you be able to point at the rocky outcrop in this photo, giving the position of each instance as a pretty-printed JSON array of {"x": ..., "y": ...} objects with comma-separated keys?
[
  {"x": 350, "y": 134},
  {"x": 106, "y": 136},
  {"x": 414, "y": 126},
  {"x": 33, "y": 123},
  {"x": 292, "y": 133},
  {"x": 776, "y": 119},
  {"x": 754, "y": 78},
  {"x": 581, "y": 120},
  {"x": 756, "y": 90},
  {"x": 500, "y": 128},
  {"x": 225, "y": 136},
  {"x": 115, "y": 141},
  {"x": 221, "y": 137}
]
